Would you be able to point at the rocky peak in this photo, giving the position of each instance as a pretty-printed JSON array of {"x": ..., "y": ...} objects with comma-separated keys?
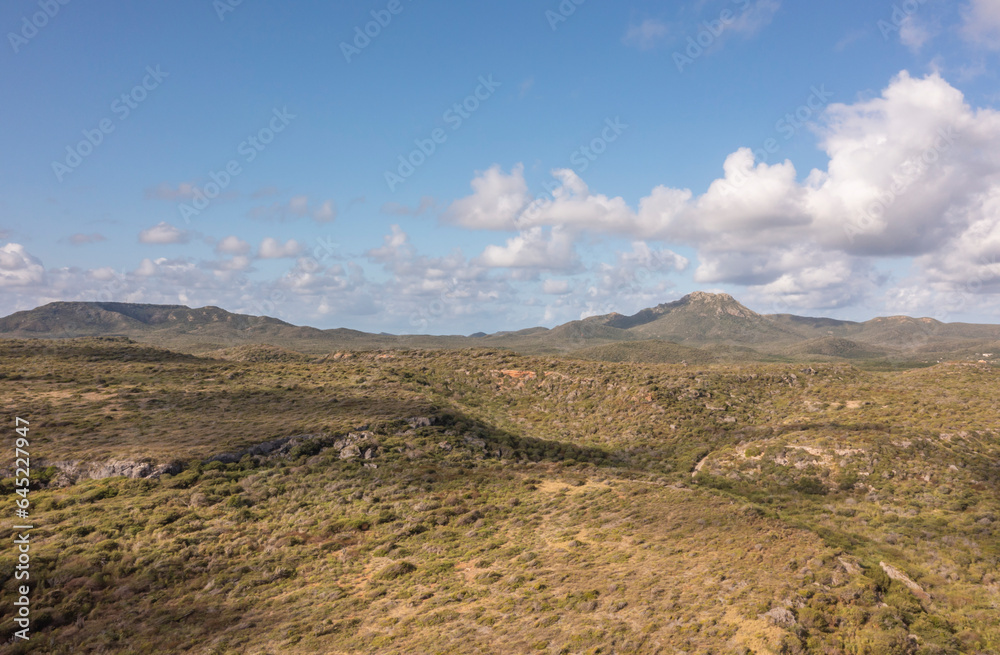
[{"x": 716, "y": 303}]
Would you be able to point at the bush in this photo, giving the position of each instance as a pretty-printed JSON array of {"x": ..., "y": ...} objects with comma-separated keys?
[
  {"x": 811, "y": 485},
  {"x": 396, "y": 570}
]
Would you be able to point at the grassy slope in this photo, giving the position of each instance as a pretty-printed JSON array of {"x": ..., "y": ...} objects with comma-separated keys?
[{"x": 589, "y": 508}]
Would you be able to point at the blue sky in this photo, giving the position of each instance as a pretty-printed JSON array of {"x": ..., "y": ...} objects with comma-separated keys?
[{"x": 577, "y": 159}]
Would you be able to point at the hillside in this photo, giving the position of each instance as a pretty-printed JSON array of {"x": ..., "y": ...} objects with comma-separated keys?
[
  {"x": 263, "y": 501},
  {"x": 716, "y": 322}
]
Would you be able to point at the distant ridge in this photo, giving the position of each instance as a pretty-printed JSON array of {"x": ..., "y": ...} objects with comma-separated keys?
[{"x": 711, "y": 326}]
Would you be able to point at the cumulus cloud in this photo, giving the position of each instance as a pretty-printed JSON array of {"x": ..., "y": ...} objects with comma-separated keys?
[
  {"x": 271, "y": 248},
  {"x": 237, "y": 263},
  {"x": 232, "y": 245},
  {"x": 645, "y": 257},
  {"x": 646, "y": 35},
  {"x": 495, "y": 203},
  {"x": 431, "y": 291},
  {"x": 19, "y": 268},
  {"x": 102, "y": 274},
  {"x": 534, "y": 249},
  {"x": 910, "y": 173},
  {"x": 164, "y": 233}
]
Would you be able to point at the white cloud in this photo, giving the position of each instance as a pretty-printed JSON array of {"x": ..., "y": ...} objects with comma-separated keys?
[
  {"x": 232, "y": 245},
  {"x": 395, "y": 247},
  {"x": 758, "y": 16},
  {"x": 271, "y": 248},
  {"x": 437, "y": 291},
  {"x": 102, "y": 274},
  {"x": 496, "y": 201},
  {"x": 556, "y": 287},
  {"x": 651, "y": 259},
  {"x": 982, "y": 23},
  {"x": 326, "y": 213},
  {"x": 162, "y": 234},
  {"x": 533, "y": 249},
  {"x": 647, "y": 34},
  {"x": 147, "y": 268},
  {"x": 19, "y": 268},
  {"x": 573, "y": 206},
  {"x": 911, "y": 173},
  {"x": 237, "y": 263},
  {"x": 914, "y": 34}
]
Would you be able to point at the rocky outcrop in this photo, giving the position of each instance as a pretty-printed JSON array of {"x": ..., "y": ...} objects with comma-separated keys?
[
  {"x": 780, "y": 616},
  {"x": 73, "y": 472},
  {"x": 899, "y": 576},
  {"x": 360, "y": 445},
  {"x": 355, "y": 445},
  {"x": 281, "y": 446}
]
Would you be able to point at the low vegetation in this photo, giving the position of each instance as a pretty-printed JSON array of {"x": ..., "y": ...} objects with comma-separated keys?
[{"x": 481, "y": 501}]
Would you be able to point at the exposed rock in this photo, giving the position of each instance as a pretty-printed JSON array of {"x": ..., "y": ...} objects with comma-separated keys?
[
  {"x": 852, "y": 568},
  {"x": 780, "y": 616},
  {"x": 899, "y": 576},
  {"x": 72, "y": 472},
  {"x": 475, "y": 442},
  {"x": 421, "y": 421},
  {"x": 350, "y": 452}
]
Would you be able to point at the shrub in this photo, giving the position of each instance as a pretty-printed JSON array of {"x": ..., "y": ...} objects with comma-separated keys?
[{"x": 396, "y": 570}]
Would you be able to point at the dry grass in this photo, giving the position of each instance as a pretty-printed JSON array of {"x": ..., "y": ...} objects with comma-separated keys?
[{"x": 554, "y": 514}]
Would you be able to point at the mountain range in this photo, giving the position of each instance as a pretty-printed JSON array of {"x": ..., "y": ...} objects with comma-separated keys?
[{"x": 700, "y": 327}]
